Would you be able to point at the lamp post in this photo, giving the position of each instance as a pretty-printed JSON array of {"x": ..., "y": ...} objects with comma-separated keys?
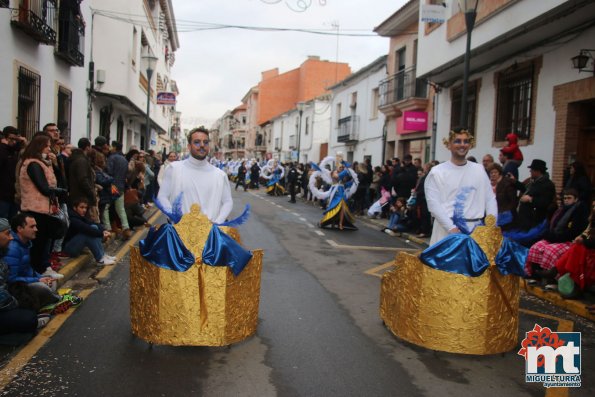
[
  {"x": 469, "y": 7},
  {"x": 151, "y": 62},
  {"x": 300, "y": 107}
]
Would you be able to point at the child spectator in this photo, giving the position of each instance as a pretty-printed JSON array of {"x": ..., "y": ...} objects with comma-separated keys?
[
  {"x": 396, "y": 221},
  {"x": 83, "y": 232},
  {"x": 513, "y": 148}
]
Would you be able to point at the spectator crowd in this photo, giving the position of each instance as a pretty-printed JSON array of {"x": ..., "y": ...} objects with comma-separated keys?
[{"x": 57, "y": 200}]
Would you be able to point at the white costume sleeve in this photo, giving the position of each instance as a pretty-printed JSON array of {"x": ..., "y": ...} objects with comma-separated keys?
[
  {"x": 319, "y": 194},
  {"x": 165, "y": 189},
  {"x": 226, "y": 203},
  {"x": 435, "y": 205},
  {"x": 282, "y": 171},
  {"x": 353, "y": 188}
]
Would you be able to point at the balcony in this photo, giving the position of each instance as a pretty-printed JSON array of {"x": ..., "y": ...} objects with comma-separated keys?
[
  {"x": 37, "y": 18},
  {"x": 4, "y": 3},
  {"x": 348, "y": 129},
  {"x": 71, "y": 40},
  {"x": 402, "y": 91}
]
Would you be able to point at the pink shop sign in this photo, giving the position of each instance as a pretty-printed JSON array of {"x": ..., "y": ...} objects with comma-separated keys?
[{"x": 412, "y": 122}]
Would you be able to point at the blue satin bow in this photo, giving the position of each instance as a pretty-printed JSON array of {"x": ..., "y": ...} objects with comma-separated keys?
[
  {"x": 164, "y": 248},
  {"x": 460, "y": 254},
  {"x": 222, "y": 250}
]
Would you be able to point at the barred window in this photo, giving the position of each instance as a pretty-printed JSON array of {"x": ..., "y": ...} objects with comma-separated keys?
[
  {"x": 457, "y": 97},
  {"x": 28, "y": 102},
  {"x": 514, "y": 102}
]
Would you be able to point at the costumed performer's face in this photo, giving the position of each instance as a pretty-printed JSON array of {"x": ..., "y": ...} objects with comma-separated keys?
[
  {"x": 199, "y": 145},
  {"x": 459, "y": 146}
]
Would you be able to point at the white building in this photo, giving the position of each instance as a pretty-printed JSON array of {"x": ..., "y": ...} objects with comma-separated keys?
[
  {"x": 357, "y": 126},
  {"x": 44, "y": 58},
  {"x": 315, "y": 129},
  {"x": 521, "y": 78},
  {"x": 123, "y": 34}
]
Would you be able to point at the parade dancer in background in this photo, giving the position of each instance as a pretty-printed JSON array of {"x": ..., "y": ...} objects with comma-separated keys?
[
  {"x": 343, "y": 181},
  {"x": 274, "y": 172}
]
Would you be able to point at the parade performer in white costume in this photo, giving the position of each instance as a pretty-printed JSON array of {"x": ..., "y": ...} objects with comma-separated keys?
[
  {"x": 458, "y": 191},
  {"x": 274, "y": 172},
  {"x": 199, "y": 181},
  {"x": 343, "y": 181}
]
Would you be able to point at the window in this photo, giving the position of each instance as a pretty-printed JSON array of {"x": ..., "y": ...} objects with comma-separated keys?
[
  {"x": 307, "y": 126},
  {"x": 457, "y": 97},
  {"x": 134, "y": 46},
  {"x": 120, "y": 129},
  {"x": 353, "y": 101},
  {"x": 375, "y": 103},
  {"x": 338, "y": 113},
  {"x": 514, "y": 102},
  {"x": 28, "y": 102},
  {"x": 105, "y": 115},
  {"x": 64, "y": 112}
]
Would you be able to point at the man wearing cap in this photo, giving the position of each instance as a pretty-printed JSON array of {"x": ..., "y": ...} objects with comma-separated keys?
[
  {"x": 458, "y": 184},
  {"x": 539, "y": 197}
]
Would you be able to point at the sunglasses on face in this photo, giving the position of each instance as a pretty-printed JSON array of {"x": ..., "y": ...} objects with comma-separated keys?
[
  {"x": 198, "y": 142},
  {"x": 461, "y": 141}
]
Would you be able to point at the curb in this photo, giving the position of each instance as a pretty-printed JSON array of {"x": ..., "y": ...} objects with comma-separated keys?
[{"x": 574, "y": 306}]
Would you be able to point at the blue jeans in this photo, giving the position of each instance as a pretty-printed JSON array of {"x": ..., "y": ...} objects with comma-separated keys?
[
  {"x": 75, "y": 245},
  {"x": 393, "y": 222}
]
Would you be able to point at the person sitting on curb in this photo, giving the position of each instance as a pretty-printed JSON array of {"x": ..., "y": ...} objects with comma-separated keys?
[
  {"x": 567, "y": 223},
  {"x": 396, "y": 221},
  {"x": 31, "y": 289},
  {"x": 14, "y": 320},
  {"x": 83, "y": 232}
]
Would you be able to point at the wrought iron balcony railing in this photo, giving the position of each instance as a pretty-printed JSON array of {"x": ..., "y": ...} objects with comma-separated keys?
[
  {"x": 4, "y": 3},
  {"x": 37, "y": 18},
  {"x": 71, "y": 40},
  {"x": 401, "y": 86},
  {"x": 348, "y": 129}
]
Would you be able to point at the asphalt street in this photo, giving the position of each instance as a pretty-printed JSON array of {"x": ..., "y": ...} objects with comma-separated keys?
[{"x": 319, "y": 331}]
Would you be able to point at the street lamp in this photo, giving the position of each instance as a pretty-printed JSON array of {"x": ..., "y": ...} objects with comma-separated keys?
[
  {"x": 580, "y": 61},
  {"x": 469, "y": 7},
  {"x": 300, "y": 107},
  {"x": 151, "y": 62}
]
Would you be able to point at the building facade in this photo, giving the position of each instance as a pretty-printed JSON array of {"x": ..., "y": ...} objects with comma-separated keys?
[
  {"x": 357, "y": 126},
  {"x": 125, "y": 34},
  {"x": 521, "y": 79},
  {"x": 404, "y": 98},
  {"x": 44, "y": 50}
]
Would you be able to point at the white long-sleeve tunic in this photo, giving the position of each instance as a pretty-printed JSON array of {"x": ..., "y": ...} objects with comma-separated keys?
[
  {"x": 442, "y": 186},
  {"x": 201, "y": 183}
]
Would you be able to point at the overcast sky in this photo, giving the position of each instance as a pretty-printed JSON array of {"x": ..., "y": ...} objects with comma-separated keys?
[{"x": 215, "y": 68}]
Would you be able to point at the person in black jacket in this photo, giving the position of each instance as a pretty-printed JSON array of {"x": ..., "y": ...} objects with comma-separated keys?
[
  {"x": 567, "y": 223},
  {"x": 292, "y": 180},
  {"x": 83, "y": 232},
  {"x": 11, "y": 142},
  {"x": 242, "y": 176}
]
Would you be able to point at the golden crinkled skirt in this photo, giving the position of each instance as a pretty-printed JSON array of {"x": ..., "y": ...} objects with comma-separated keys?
[
  {"x": 450, "y": 312},
  {"x": 203, "y": 306}
]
